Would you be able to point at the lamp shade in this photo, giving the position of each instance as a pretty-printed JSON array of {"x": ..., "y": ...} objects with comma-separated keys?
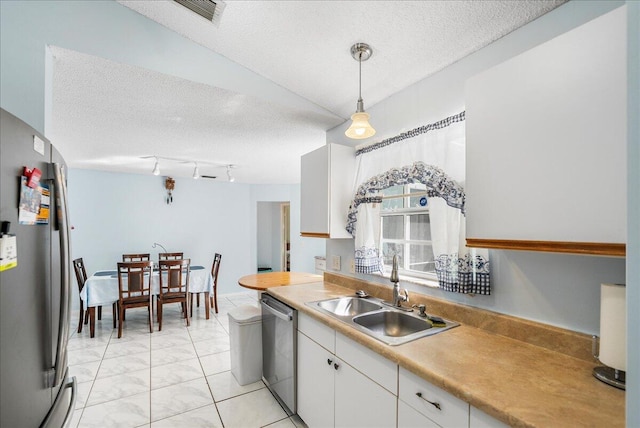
[
  {"x": 613, "y": 327},
  {"x": 360, "y": 127}
]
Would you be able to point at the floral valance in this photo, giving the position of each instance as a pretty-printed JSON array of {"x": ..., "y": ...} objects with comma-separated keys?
[{"x": 437, "y": 181}]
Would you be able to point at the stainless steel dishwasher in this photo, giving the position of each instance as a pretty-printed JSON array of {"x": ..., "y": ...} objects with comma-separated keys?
[{"x": 279, "y": 350}]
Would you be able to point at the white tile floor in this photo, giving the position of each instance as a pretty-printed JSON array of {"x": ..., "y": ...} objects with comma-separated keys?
[{"x": 177, "y": 377}]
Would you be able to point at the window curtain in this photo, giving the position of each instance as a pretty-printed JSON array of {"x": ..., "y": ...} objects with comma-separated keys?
[{"x": 434, "y": 155}]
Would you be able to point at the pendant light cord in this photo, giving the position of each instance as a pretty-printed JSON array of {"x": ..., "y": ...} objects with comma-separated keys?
[{"x": 360, "y": 76}]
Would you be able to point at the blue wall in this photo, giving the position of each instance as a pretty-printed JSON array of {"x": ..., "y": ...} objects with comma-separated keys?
[{"x": 114, "y": 213}]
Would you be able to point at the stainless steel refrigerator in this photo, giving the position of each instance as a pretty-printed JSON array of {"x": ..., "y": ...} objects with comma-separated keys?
[{"x": 35, "y": 390}]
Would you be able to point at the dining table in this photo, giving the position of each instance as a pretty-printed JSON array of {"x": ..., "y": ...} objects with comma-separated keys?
[
  {"x": 262, "y": 281},
  {"x": 102, "y": 289}
]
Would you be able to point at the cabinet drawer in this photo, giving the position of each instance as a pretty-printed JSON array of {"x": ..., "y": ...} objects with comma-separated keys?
[
  {"x": 408, "y": 417},
  {"x": 371, "y": 364},
  {"x": 452, "y": 411},
  {"x": 324, "y": 335}
]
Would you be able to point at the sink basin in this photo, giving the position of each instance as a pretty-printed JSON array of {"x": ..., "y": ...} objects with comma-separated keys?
[
  {"x": 392, "y": 323},
  {"x": 371, "y": 316},
  {"x": 348, "y": 306}
]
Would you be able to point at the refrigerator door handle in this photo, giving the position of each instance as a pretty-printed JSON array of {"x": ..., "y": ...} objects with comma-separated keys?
[
  {"x": 73, "y": 384},
  {"x": 65, "y": 274}
]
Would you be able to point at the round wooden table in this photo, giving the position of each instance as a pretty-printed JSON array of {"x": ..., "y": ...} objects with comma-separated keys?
[{"x": 262, "y": 281}]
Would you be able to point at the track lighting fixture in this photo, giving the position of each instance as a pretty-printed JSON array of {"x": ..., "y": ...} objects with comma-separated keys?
[
  {"x": 156, "y": 168},
  {"x": 229, "y": 176},
  {"x": 360, "y": 127},
  {"x": 196, "y": 166}
]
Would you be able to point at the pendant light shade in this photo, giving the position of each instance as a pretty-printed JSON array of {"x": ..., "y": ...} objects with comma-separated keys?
[{"x": 360, "y": 127}]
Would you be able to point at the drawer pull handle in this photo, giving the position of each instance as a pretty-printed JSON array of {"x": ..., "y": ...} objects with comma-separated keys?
[
  {"x": 336, "y": 366},
  {"x": 433, "y": 403},
  {"x": 329, "y": 361}
]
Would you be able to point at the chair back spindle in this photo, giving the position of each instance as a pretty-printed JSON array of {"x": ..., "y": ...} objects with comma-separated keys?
[
  {"x": 143, "y": 257},
  {"x": 170, "y": 256}
]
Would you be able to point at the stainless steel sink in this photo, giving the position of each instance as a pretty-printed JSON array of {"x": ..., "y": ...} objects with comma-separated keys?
[
  {"x": 386, "y": 324},
  {"x": 348, "y": 306},
  {"x": 392, "y": 323}
]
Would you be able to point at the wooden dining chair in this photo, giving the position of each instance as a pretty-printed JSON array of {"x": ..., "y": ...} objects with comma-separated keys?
[
  {"x": 81, "y": 278},
  {"x": 134, "y": 287},
  {"x": 143, "y": 257},
  {"x": 215, "y": 267},
  {"x": 174, "y": 286},
  {"x": 170, "y": 256}
]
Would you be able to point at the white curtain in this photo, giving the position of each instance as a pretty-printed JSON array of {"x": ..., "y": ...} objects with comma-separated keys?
[{"x": 433, "y": 154}]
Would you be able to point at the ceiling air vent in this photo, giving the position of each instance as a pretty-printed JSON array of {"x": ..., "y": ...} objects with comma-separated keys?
[{"x": 208, "y": 9}]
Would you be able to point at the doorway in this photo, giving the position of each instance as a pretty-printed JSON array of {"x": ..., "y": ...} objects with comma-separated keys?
[{"x": 273, "y": 236}]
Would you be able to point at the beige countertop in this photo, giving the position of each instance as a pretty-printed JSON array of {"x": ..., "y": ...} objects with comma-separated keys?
[{"x": 516, "y": 382}]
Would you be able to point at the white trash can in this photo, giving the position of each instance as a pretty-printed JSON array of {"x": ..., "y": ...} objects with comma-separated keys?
[{"x": 245, "y": 335}]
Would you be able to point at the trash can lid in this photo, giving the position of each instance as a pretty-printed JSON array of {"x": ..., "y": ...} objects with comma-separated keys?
[{"x": 245, "y": 314}]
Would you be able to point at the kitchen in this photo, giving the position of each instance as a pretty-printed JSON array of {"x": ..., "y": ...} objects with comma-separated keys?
[{"x": 542, "y": 278}]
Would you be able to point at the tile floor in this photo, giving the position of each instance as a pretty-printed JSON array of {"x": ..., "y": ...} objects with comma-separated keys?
[{"x": 177, "y": 377}]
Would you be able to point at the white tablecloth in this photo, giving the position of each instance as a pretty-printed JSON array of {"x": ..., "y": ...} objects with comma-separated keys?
[{"x": 101, "y": 288}]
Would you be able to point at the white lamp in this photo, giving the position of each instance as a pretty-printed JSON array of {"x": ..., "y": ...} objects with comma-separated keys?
[
  {"x": 613, "y": 335},
  {"x": 360, "y": 127}
]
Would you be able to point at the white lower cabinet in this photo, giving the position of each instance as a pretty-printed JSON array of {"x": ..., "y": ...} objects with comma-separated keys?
[
  {"x": 315, "y": 383},
  {"x": 331, "y": 392},
  {"x": 344, "y": 384},
  {"x": 360, "y": 402}
]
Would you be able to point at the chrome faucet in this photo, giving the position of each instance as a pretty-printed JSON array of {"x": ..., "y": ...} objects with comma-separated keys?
[{"x": 398, "y": 297}]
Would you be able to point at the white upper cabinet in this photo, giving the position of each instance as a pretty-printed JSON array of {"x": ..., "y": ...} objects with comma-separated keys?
[
  {"x": 546, "y": 145},
  {"x": 326, "y": 191}
]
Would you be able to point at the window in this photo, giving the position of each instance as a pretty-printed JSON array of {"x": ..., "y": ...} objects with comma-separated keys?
[{"x": 406, "y": 230}]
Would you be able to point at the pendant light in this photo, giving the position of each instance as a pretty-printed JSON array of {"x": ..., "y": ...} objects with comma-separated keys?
[{"x": 360, "y": 127}]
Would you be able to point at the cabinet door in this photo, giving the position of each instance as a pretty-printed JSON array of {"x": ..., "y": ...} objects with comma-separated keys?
[
  {"x": 360, "y": 402},
  {"x": 314, "y": 193},
  {"x": 546, "y": 145},
  {"x": 326, "y": 191},
  {"x": 315, "y": 383}
]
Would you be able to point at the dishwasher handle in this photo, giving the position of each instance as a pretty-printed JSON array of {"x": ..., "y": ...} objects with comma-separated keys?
[{"x": 275, "y": 312}]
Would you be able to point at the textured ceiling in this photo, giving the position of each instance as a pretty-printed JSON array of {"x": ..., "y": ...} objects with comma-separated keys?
[{"x": 109, "y": 115}]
